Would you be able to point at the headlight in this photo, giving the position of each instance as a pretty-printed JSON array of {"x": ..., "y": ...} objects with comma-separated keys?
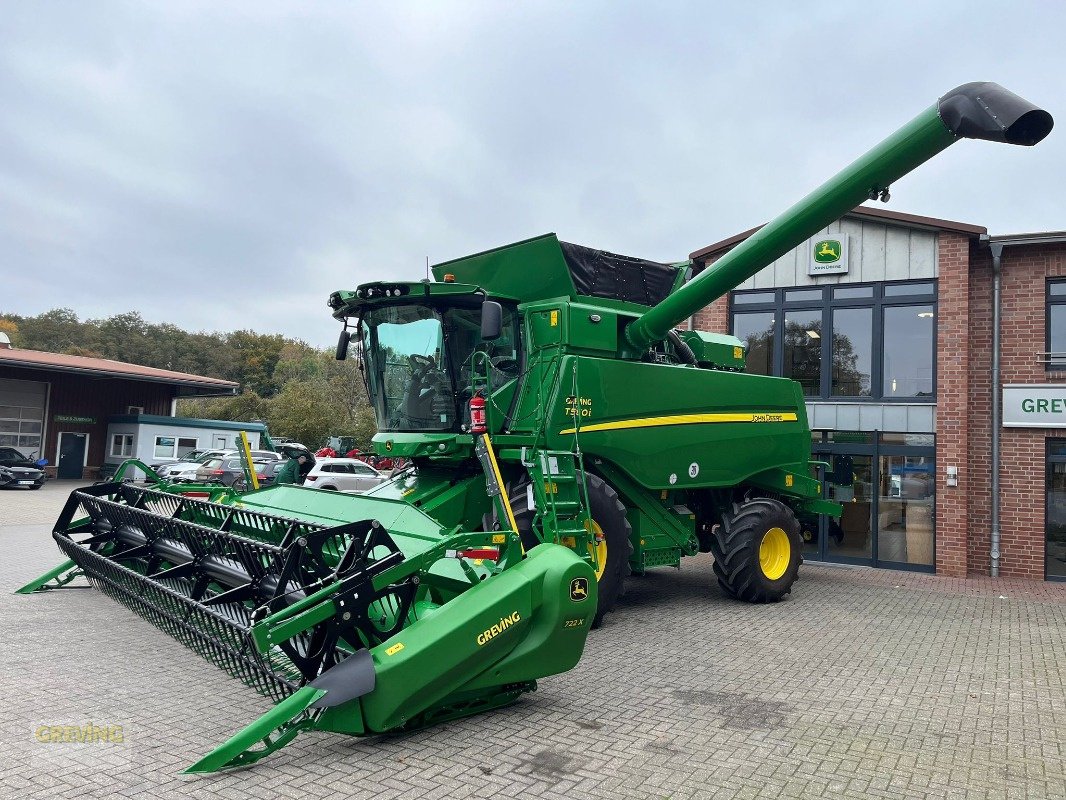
[{"x": 6, "y": 472}]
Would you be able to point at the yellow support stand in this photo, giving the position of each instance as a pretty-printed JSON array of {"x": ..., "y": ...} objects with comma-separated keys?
[{"x": 246, "y": 457}]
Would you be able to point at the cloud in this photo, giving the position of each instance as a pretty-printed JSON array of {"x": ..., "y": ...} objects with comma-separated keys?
[{"x": 227, "y": 166}]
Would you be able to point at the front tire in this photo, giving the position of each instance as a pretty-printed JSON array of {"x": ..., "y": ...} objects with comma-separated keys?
[{"x": 757, "y": 551}]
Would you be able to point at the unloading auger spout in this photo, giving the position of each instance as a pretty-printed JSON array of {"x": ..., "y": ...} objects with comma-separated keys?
[{"x": 971, "y": 111}]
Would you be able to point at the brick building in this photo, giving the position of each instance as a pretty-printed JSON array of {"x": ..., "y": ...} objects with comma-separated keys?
[
  {"x": 886, "y": 320},
  {"x": 58, "y": 407}
]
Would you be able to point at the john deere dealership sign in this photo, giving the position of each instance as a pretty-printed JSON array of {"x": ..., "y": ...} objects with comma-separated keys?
[
  {"x": 829, "y": 255},
  {"x": 1034, "y": 405}
]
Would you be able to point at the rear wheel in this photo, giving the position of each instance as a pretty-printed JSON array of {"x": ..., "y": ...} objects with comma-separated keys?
[
  {"x": 757, "y": 551},
  {"x": 611, "y": 528}
]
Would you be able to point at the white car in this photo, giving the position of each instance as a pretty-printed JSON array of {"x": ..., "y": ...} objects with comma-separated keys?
[
  {"x": 185, "y": 471},
  {"x": 343, "y": 475}
]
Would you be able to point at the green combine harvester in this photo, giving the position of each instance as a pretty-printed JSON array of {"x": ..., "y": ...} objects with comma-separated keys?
[{"x": 563, "y": 434}]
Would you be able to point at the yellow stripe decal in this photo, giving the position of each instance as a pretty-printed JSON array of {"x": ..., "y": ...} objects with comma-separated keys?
[{"x": 684, "y": 419}]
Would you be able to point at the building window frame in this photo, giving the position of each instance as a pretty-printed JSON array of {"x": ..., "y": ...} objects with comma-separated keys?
[
  {"x": 827, "y": 303},
  {"x": 1050, "y": 457},
  {"x": 122, "y": 445},
  {"x": 157, "y": 453},
  {"x": 1052, "y": 364},
  {"x": 875, "y": 448}
]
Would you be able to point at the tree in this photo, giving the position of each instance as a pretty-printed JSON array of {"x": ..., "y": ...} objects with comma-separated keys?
[
  {"x": 305, "y": 412},
  {"x": 302, "y": 392},
  {"x": 11, "y": 328}
]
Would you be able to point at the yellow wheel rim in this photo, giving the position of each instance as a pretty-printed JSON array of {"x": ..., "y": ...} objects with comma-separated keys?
[
  {"x": 774, "y": 553},
  {"x": 597, "y": 547}
]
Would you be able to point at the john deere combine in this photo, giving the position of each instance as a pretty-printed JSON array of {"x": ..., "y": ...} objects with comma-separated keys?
[{"x": 562, "y": 434}]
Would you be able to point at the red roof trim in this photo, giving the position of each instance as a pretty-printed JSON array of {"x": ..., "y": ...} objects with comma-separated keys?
[{"x": 38, "y": 359}]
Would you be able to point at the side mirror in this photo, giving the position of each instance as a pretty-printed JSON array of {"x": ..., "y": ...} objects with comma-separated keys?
[
  {"x": 491, "y": 320},
  {"x": 342, "y": 344}
]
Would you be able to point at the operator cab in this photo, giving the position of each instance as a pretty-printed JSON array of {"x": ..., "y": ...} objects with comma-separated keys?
[{"x": 420, "y": 360}]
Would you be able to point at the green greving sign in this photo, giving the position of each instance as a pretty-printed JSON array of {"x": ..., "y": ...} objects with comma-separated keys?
[
  {"x": 1034, "y": 405},
  {"x": 829, "y": 255},
  {"x": 76, "y": 420}
]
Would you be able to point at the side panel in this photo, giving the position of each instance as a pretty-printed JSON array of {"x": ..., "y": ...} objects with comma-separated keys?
[{"x": 673, "y": 427}]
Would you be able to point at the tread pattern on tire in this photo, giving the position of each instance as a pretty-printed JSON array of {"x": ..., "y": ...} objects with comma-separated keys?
[
  {"x": 607, "y": 603},
  {"x": 735, "y": 548}
]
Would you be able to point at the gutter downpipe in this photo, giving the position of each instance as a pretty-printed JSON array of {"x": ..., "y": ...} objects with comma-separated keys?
[{"x": 997, "y": 265}]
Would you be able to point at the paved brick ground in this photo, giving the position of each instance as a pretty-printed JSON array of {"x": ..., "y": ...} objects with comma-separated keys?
[{"x": 865, "y": 684}]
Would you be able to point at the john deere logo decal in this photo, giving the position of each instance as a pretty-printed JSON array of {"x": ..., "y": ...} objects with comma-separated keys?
[
  {"x": 829, "y": 256},
  {"x": 579, "y": 589},
  {"x": 827, "y": 251}
]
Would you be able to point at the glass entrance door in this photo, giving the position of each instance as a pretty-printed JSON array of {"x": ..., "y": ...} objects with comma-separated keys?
[
  {"x": 851, "y": 484},
  {"x": 905, "y": 510},
  {"x": 886, "y": 485},
  {"x": 1055, "y": 531}
]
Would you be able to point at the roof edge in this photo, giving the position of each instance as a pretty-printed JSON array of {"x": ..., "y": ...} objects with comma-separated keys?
[
  {"x": 880, "y": 214},
  {"x": 180, "y": 379},
  {"x": 187, "y": 422},
  {"x": 1019, "y": 239}
]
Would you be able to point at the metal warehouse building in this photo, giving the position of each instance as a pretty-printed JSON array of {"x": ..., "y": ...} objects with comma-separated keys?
[
  {"x": 58, "y": 406},
  {"x": 888, "y": 321}
]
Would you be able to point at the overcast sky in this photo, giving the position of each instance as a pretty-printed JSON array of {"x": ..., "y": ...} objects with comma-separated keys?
[{"x": 228, "y": 165}]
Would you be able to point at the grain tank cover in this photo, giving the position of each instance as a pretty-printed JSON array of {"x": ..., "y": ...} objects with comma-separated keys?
[
  {"x": 597, "y": 273},
  {"x": 543, "y": 268}
]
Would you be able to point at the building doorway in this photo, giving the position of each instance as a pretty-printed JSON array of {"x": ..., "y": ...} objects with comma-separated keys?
[
  {"x": 72, "y": 451},
  {"x": 1055, "y": 524},
  {"x": 886, "y": 485}
]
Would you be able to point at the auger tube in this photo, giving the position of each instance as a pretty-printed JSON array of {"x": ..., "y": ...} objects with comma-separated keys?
[{"x": 980, "y": 110}]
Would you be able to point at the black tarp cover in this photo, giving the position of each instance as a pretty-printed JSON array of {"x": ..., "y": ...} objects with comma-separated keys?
[{"x": 597, "y": 273}]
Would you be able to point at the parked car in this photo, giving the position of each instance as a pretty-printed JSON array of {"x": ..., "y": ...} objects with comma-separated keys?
[
  {"x": 185, "y": 471},
  {"x": 229, "y": 470},
  {"x": 10, "y": 457},
  {"x": 343, "y": 475},
  {"x": 264, "y": 472},
  {"x": 14, "y": 477}
]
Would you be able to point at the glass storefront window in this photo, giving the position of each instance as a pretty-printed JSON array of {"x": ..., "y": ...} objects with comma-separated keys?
[
  {"x": 853, "y": 337},
  {"x": 803, "y": 350},
  {"x": 905, "y": 509},
  {"x": 756, "y": 330},
  {"x": 853, "y": 292},
  {"x": 909, "y": 335},
  {"x": 750, "y": 298},
  {"x": 909, "y": 439},
  {"x": 907, "y": 289},
  {"x": 801, "y": 295},
  {"x": 888, "y": 500},
  {"x": 879, "y": 341},
  {"x": 1056, "y": 333}
]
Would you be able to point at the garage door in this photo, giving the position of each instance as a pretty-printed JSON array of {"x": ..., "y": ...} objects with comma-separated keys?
[{"x": 22, "y": 414}]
